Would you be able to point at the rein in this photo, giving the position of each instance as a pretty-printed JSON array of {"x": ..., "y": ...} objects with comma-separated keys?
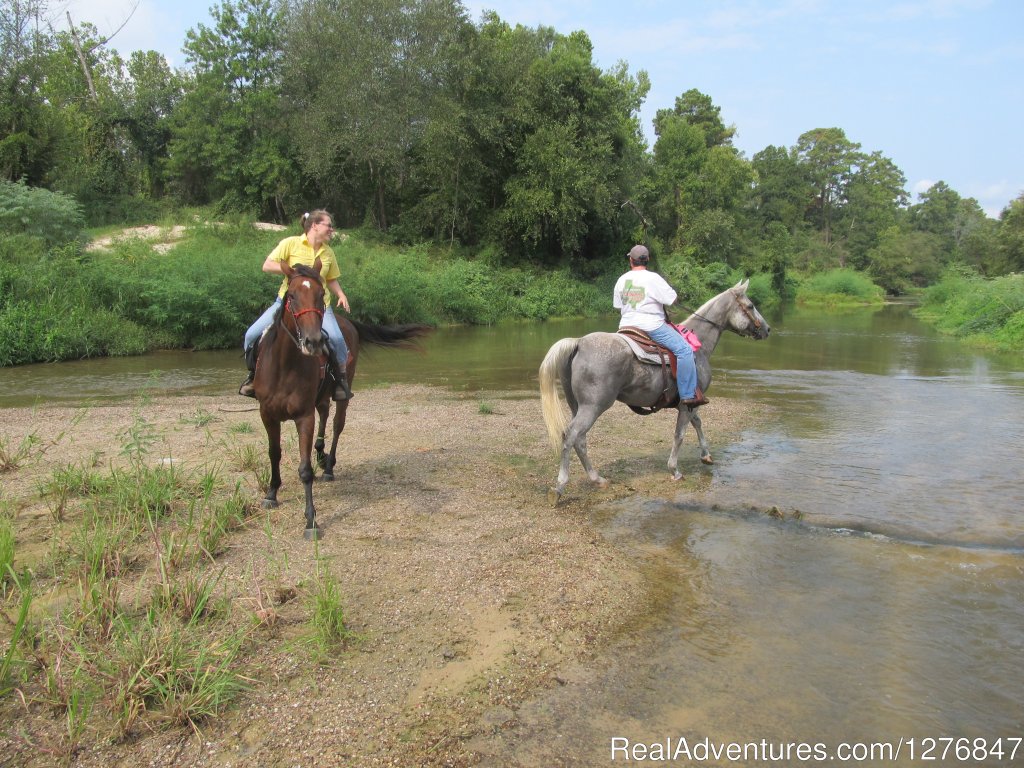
[
  {"x": 750, "y": 315},
  {"x": 295, "y": 316}
]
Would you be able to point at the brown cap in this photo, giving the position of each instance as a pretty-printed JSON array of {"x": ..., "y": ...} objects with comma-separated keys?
[{"x": 638, "y": 252}]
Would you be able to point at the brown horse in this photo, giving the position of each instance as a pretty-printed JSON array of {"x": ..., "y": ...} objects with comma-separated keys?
[{"x": 293, "y": 381}]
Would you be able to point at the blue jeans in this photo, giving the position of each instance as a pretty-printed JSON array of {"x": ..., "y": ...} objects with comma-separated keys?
[
  {"x": 334, "y": 337},
  {"x": 686, "y": 369}
]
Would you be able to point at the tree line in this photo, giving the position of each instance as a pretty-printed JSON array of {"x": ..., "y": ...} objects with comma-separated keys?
[{"x": 407, "y": 118}]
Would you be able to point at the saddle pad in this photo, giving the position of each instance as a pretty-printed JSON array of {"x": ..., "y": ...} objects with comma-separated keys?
[{"x": 639, "y": 352}]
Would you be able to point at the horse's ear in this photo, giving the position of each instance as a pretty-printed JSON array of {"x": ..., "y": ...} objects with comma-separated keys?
[
  {"x": 317, "y": 265},
  {"x": 286, "y": 269},
  {"x": 742, "y": 285}
]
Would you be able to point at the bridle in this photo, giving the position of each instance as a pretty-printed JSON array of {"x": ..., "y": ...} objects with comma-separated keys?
[
  {"x": 751, "y": 317},
  {"x": 297, "y": 337}
]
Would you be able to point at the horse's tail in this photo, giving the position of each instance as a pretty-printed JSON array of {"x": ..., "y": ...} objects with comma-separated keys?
[
  {"x": 403, "y": 335},
  {"x": 556, "y": 366}
]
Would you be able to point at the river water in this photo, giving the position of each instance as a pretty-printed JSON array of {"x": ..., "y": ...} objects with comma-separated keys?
[{"x": 890, "y": 608}]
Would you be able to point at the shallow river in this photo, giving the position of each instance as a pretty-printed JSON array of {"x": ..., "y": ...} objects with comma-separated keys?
[{"x": 892, "y": 609}]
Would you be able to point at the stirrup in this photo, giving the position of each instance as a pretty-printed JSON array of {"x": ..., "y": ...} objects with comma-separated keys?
[
  {"x": 342, "y": 391},
  {"x": 247, "y": 389}
]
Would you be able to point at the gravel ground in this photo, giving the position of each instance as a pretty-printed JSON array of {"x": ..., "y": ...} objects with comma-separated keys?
[{"x": 467, "y": 592}]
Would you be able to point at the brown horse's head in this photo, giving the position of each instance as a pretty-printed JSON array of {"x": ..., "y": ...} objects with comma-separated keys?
[{"x": 303, "y": 313}]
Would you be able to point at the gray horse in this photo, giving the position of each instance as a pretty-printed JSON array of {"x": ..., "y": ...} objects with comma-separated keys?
[{"x": 600, "y": 368}]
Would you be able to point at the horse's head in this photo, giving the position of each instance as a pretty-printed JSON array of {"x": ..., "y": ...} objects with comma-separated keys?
[
  {"x": 743, "y": 317},
  {"x": 304, "y": 305}
]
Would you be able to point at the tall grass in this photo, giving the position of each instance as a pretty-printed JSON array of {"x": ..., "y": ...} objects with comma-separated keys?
[
  {"x": 60, "y": 302},
  {"x": 839, "y": 287},
  {"x": 986, "y": 311}
]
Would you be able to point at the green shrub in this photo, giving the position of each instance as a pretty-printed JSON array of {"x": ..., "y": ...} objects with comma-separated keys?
[
  {"x": 967, "y": 305},
  {"x": 54, "y": 217},
  {"x": 838, "y": 287}
]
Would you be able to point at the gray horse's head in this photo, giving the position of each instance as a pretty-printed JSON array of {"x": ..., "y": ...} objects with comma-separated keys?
[{"x": 743, "y": 317}]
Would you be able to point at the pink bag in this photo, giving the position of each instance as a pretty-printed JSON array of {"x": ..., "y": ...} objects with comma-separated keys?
[{"x": 689, "y": 335}]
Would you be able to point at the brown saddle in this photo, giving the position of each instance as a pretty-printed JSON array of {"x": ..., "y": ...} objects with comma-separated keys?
[{"x": 668, "y": 370}]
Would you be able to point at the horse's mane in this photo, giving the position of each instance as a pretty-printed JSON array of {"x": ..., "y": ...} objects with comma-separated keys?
[{"x": 306, "y": 271}]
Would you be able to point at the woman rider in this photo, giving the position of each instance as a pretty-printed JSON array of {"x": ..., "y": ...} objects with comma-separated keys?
[{"x": 305, "y": 249}]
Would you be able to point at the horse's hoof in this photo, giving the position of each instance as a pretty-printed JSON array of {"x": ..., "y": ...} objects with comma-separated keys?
[
  {"x": 553, "y": 496},
  {"x": 312, "y": 534},
  {"x": 327, "y": 477},
  {"x": 601, "y": 482},
  {"x": 677, "y": 476},
  {"x": 707, "y": 460},
  {"x": 269, "y": 504}
]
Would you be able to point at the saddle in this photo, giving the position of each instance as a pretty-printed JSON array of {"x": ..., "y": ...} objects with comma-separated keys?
[{"x": 646, "y": 350}]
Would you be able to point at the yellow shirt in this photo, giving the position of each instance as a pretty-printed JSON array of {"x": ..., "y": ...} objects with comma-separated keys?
[{"x": 297, "y": 250}]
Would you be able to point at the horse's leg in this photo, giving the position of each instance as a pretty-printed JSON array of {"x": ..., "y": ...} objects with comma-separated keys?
[
  {"x": 576, "y": 437},
  {"x": 305, "y": 426},
  {"x": 705, "y": 452},
  {"x": 340, "y": 414},
  {"x": 323, "y": 410},
  {"x": 274, "y": 451},
  {"x": 685, "y": 417}
]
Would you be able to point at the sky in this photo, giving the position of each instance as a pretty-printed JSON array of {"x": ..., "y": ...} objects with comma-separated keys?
[{"x": 936, "y": 86}]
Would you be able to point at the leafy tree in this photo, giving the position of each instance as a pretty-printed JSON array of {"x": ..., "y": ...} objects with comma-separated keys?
[
  {"x": 697, "y": 109},
  {"x": 95, "y": 161},
  {"x": 1011, "y": 237},
  {"x": 28, "y": 134},
  {"x": 230, "y": 142},
  {"x": 782, "y": 192},
  {"x": 148, "y": 99},
  {"x": 875, "y": 197},
  {"x": 828, "y": 158},
  {"x": 963, "y": 229},
  {"x": 362, "y": 83},
  {"x": 579, "y": 140},
  {"x": 903, "y": 260},
  {"x": 700, "y": 181}
]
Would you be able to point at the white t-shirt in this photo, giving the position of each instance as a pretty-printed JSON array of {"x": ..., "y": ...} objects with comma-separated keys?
[{"x": 642, "y": 296}]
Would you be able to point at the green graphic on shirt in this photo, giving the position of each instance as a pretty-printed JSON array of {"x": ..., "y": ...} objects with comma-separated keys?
[{"x": 633, "y": 294}]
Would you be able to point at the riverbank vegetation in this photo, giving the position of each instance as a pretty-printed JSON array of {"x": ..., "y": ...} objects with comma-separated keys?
[
  {"x": 989, "y": 313},
  {"x": 481, "y": 171}
]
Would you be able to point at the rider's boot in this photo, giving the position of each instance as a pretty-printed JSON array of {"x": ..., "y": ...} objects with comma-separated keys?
[
  {"x": 342, "y": 391},
  {"x": 698, "y": 399},
  {"x": 247, "y": 388}
]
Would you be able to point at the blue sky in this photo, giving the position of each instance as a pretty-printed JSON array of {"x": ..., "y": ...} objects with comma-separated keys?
[{"x": 937, "y": 86}]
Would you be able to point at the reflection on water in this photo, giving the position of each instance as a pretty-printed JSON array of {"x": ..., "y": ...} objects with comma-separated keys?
[
  {"x": 785, "y": 632},
  {"x": 894, "y": 608}
]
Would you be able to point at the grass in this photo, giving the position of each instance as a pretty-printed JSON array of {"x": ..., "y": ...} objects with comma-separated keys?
[
  {"x": 987, "y": 312},
  {"x": 144, "y": 636},
  {"x": 326, "y": 613},
  {"x": 200, "y": 417},
  {"x": 13, "y": 456}
]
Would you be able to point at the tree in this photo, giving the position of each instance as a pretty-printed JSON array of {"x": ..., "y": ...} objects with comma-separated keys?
[
  {"x": 903, "y": 260},
  {"x": 1011, "y": 237},
  {"x": 697, "y": 109},
  {"x": 875, "y": 195},
  {"x": 782, "y": 191},
  {"x": 580, "y": 140},
  {"x": 148, "y": 99},
  {"x": 828, "y": 158},
  {"x": 700, "y": 180},
  {"x": 959, "y": 223},
  {"x": 28, "y": 133},
  {"x": 229, "y": 139}
]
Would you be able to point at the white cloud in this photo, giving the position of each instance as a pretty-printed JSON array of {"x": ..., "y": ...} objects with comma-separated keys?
[{"x": 922, "y": 186}]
